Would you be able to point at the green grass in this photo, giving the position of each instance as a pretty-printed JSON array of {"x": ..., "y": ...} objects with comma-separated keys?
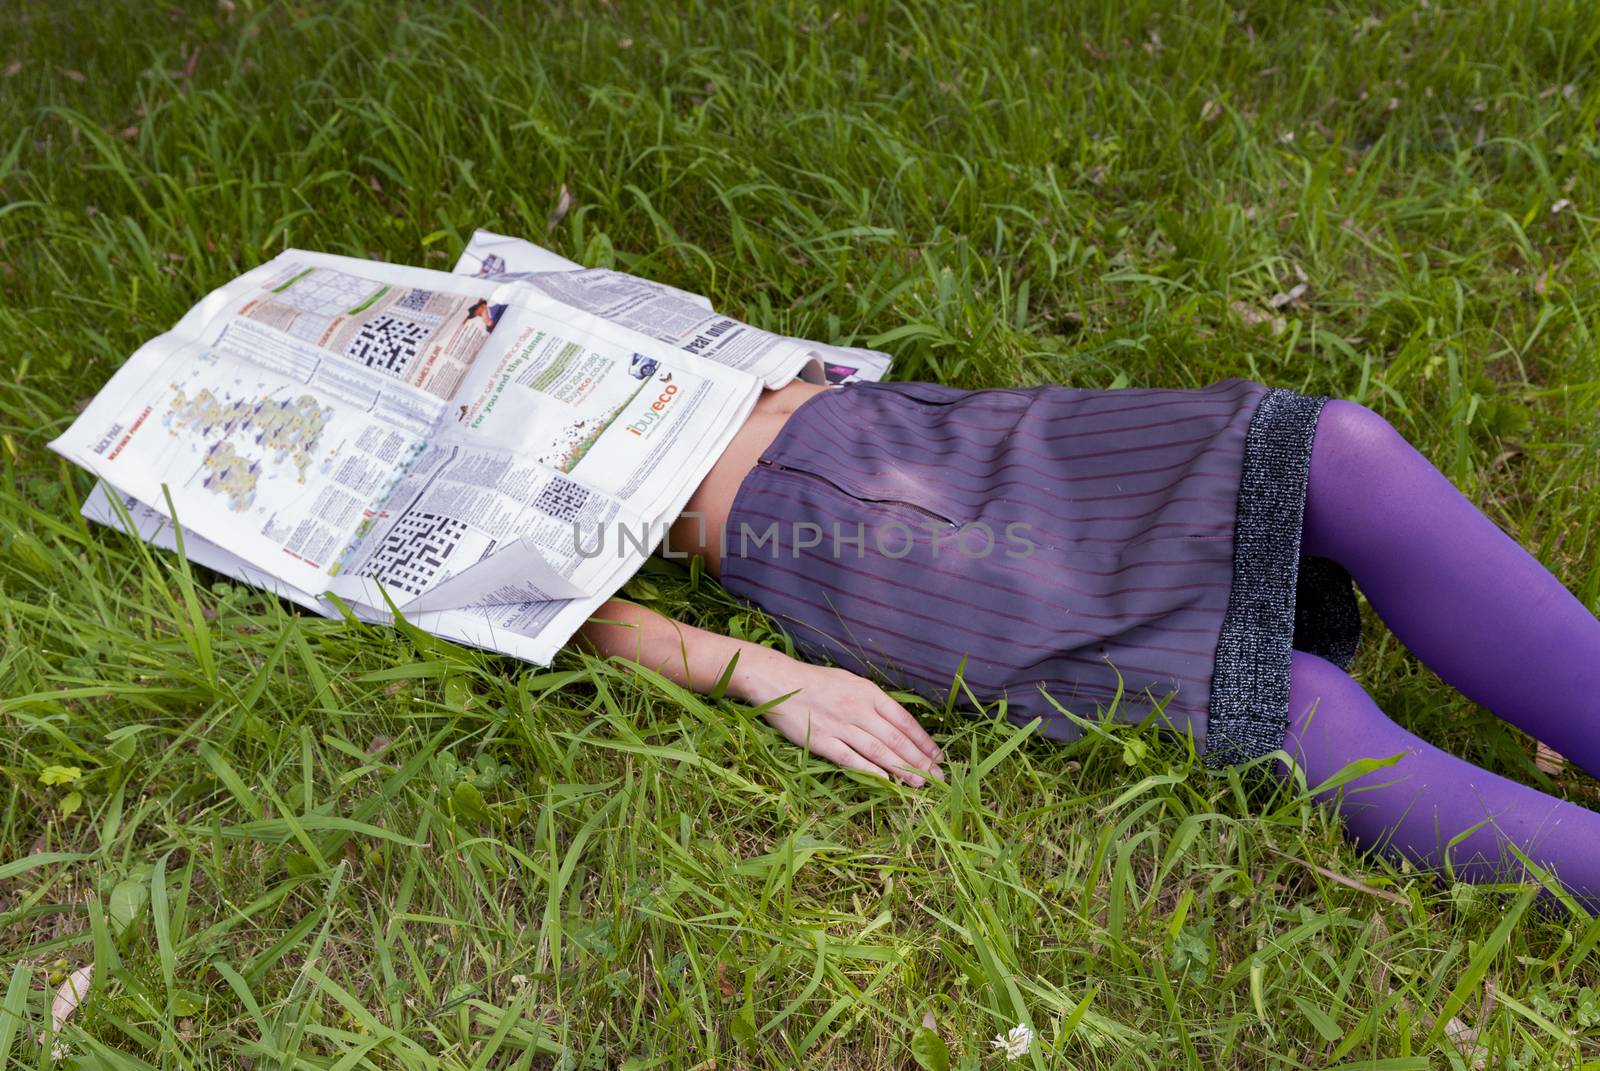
[{"x": 304, "y": 843}]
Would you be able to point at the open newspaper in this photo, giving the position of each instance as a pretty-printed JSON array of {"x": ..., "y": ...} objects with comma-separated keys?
[
  {"x": 491, "y": 453},
  {"x": 667, "y": 314}
]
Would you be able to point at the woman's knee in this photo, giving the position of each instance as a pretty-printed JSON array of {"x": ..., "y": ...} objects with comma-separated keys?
[
  {"x": 1354, "y": 445},
  {"x": 1351, "y": 434},
  {"x": 1355, "y": 453}
]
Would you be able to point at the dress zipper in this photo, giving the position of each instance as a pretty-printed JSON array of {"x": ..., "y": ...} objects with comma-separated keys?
[{"x": 925, "y": 511}]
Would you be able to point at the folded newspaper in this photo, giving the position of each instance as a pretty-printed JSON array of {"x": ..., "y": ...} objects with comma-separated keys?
[{"x": 491, "y": 452}]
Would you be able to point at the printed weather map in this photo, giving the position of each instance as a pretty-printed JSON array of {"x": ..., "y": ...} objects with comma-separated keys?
[{"x": 244, "y": 438}]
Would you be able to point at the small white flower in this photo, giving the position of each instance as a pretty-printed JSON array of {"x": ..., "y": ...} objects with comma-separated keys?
[
  {"x": 1015, "y": 1043},
  {"x": 519, "y": 981}
]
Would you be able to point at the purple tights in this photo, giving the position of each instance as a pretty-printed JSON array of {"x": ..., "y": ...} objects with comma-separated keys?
[{"x": 1485, "y": 616}]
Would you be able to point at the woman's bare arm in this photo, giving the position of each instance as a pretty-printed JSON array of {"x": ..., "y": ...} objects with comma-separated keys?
[{"x": 833, "y": 712}]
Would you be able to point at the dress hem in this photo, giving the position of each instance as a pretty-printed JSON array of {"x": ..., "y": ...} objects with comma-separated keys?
[{"x": 1278, "y": 601}]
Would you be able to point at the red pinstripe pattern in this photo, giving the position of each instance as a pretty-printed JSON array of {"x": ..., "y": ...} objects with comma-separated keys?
[{"x": 1141, "y": 587}]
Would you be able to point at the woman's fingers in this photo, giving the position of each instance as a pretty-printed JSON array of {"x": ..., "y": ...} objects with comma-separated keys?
[
  {"x": 903, "y": 766},
  {"x": 902, "y": 719},
  {"x": 840, "y": 753},
  {"x": 901, "y": 743},
  {"x": 860, "y": 728}
]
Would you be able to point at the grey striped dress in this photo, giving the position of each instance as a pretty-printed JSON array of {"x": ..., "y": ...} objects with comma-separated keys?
[{"x": 1100, "y": 552}]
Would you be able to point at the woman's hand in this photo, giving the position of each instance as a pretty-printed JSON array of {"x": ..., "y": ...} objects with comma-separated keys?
[
  {"x": 835, "y": 713},
  {"x": 842, "y": 717}
]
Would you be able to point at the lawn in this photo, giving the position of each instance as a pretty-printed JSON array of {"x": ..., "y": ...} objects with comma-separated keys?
[{"x": 291, "y": 842}]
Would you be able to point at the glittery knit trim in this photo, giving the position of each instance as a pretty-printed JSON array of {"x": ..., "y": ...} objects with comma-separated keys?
[{"x": 1276, "y": 602}]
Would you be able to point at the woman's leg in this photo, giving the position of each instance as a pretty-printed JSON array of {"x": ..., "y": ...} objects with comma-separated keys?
[
  {"x": 1461, "y": 594},
  {"x": 1418, "y": 806}
]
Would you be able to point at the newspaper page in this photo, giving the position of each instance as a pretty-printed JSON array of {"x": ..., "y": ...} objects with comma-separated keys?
[
  {"x": 490, "y": 255},
  {"x": 496, "y": 256},
  {"x": 286, "y": 422},
  {"x": 285, "y": 407},
  {"x": 676, "y": 317},
  {"x": 532, "y": 631},
  {"x": 137, "y": 519},
  {"x": 563, "y": 456},
  {"x": 601, "y": 404},
  {"x": 851, "y": 364}
]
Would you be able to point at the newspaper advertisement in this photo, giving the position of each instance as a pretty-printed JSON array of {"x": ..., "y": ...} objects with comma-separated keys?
[{"x": 600, "y": 404}]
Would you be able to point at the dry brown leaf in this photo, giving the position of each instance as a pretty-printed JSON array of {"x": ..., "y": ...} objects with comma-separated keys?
[
  {"x": 563, "y": 206},
  {"x": 1288, "y": 297},
  {"x": 1249, "y": 313},
  {"x": 1254, "y": 317},
  {"x": 1549, "y": 760},
  {"x": 1465, "y": 1039},
  {"x": 72, "y": 992}
]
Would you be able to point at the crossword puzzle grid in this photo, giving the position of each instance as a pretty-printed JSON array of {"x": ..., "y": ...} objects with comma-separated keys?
[
  {"x": 562, "y": 499},
  {"x": 414, "y": 551},
  {"x": 388, "y": 343}
]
